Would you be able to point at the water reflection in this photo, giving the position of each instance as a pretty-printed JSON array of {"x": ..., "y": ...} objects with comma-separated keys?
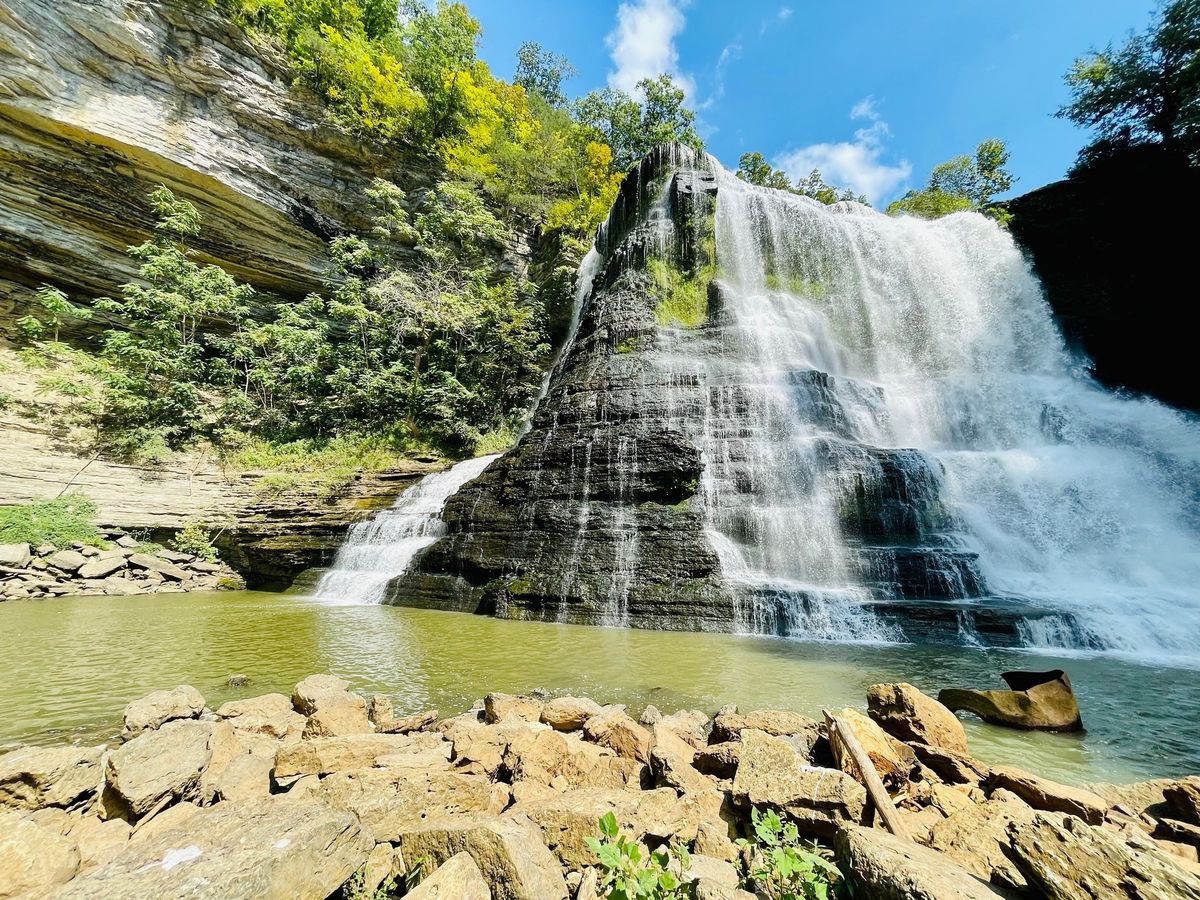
[{"x": 71, "y": 665}]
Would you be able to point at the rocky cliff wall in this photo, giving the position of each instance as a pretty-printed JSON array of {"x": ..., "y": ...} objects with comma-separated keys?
[
  {"x": 588, "y": 518},
  {"x": 1113, "y": 250}
]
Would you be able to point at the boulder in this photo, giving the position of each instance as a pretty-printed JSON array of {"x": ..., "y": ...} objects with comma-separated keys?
[
  {"x": 710, "y": 869},
  {"x": 1042, "y": 793},
  {"x": 157, "y": 707},
  {"x": 157, "y": 565},
  {"x": 308, "y": 694},
  {"x": 380, "y": 710},
  {"x": 884, "y": 867},
  {"x": 239, "y": 767},
  {"x": 508, "y": 851},
  {"x": 33, "y": 858},
  {"x": 1179, "y": 832},
  {"x": 275, "y": 849},
  {"x": 564, "y": 762},
  {"x": 1038, "y": 700},
  {"x": 568, "y": 819},
  {"x": 1183, "y": 799},
  {"x": 159, "y": 766},
  {"x": 951, "y": 767},
  {"x": 99, "y": 840},
  {"x": 976, "y": 837},
  {"x": 893, "y": 761},
  {"x": 720, "y": 760},
  {"x": 270, "y": 714},
  {"x": 569, "y": 713},
  {"x": 321, "y": 756},
  {"x": 1065, "y": 859},
  {"x": 390, "y": 802},
  {"x": 616, "y": 729},
  {"x": 507, "y": 708},
  {"x": 101, "y": 567},
  {"x": 772, "y": 773},
  {"x": 338, "y": 720},
  {"x": 713, "y": 839},
  {"x": 480, "y": 748},
  {"x": 458, "y": 878},
  {"x": 173, "y": 818},
  {"x": 36, "y": 777},
  {"x": 66, "y": 560},
  {"x": 671, "y": 762},
  {"x": 332, "y": 710},
  {"x": 15, "y": 556},
  {"x": 727, "y": 726},
  {"x": 909, "y": 715},
  {"x": 691, "y": 725}
]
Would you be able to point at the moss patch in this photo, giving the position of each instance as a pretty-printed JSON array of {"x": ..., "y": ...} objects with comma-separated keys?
[
  {"x": 682, "y": 298},
  {"x": 58, "y": 522}
]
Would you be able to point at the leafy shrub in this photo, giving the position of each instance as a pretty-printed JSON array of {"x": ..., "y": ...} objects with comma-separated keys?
[
  {"x": 783, "y": 866},
  {"x": 627, "y": 874},
  {"x": 58, "y": 522},
  {"x": 197, "y": 540}
]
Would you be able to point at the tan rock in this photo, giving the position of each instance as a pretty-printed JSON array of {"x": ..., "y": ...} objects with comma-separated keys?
[
  {"x": 1038, "y": 700},
  {"x": 321, "y": 756},
  {"x": 380, "y": 709},
  {"x": 170, "y": 819},
  {"x": 712, "y": 839},
  {"x": 909, "y": 715},
  {"x": 390, "y": 802},
  {"x": 157, "y": 707},
  {"x": 337, "y": 721},
  {"x": 99, "y": 840},
  {"x": 156, "y": 565},
  {"x": 316, "y": 691},
  {"x": 893, "y": 761},
  {"x": 480, "y": 748},
  {"x": 616, "y": 729},
  {"x": 35, "y": 777},
  {"x": 564, "y": 762},
  {"x": 568, "y": 713},
  {"x": 711, "y": 869},
  {"x": 691, "y": 725},
  {"x": 951, "y": 767},
  {"x": 885, "y": 867},
  {"x": 458, "y": 878},
  {"x": 718, "y": 760},
  {"x": 976, "y": 837},
  {"x": 772, "y": 773},
  {"x": 270, "y": 714},
  {"x": 1065, "y": 859},
  {"x": 671, "y": 762},
  {"x": 406, "y": 724},
  {"x": 1042, "y": 793},
  {"x": 227, "y": 774},
  {"x": 384, "y": 865},
  {"x": 508, "y": 851},
  {"x": 33, "y": 858},
  {"x": 727, "y": 726},
  {"x": 508, "y": 708},
  {"x": 265, "y": 850},
  {"x": 157, "y": 766}
]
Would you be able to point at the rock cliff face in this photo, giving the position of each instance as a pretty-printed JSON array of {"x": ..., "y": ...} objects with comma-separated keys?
[
  {"x": 588, "y": 519},
  {"x": 1113, "y": 260}
]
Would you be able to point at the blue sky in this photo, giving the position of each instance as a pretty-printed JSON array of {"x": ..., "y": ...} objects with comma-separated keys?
[{"x": 874, "y": 93}]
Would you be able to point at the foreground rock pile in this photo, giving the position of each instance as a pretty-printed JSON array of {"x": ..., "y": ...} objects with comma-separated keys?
[
  {"x": 124, "y": 568},
  {"x": 325, "y": 793}
]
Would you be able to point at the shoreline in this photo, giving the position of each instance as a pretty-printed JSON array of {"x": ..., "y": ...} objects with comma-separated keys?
[{"x": 519, "y": 782}]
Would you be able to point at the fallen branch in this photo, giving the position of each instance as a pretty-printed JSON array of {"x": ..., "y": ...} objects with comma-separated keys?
[{"x": 840, "y": 731}]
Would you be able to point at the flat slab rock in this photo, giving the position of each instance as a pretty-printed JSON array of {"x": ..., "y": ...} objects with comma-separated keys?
[
  {"x": 885, "y": 867},
  {"x": 228, "y": 852}
]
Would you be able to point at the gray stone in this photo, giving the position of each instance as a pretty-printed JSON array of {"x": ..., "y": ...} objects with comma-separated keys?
[
  {"x": 154, "y": 566},
  {"x": 16, "y": 556},
  {"x": 36, "y": 777},
  {"x": 101, "y": 568},
  {"x": 157, "y": 707},
  {"x": 175, "y": 556},
  {"x": 126, "y": 542},
  {"x": 275, "y": 849},
  {"x": 67, "y": 560}
]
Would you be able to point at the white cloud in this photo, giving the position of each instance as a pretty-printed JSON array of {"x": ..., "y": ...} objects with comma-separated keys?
[
  {"x": 781, "y": 15},
  {"x": 785, "y": 13},
  {"x": 729, "y": 53},
  {"x": 854, "y": 164},
  {"x": 642, "y": 45}
]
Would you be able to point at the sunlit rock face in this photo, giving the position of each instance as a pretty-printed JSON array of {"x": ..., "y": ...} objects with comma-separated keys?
[
  {"x": 101, "y": 101},
  {"x": 782, "y": 417}
]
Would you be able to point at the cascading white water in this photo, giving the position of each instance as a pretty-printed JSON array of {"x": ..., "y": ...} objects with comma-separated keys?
[
  {"x": 931, "y": 336},
  {"x": 380, "y": 548}
]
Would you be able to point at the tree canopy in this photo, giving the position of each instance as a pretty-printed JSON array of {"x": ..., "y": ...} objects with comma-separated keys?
[
  {"x": 756, "y": 170},
  {"x": 966, "y": 182},
  {"x": 1145, "y": 91}
]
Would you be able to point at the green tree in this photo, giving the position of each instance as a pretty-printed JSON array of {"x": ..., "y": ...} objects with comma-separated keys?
[
  {"x": 1147, "y": 90},
  {"x": 631, "y": 128},
  {"x": 57, "y": 310},
  {"x": 542, "y": 73},
  {"x": 664, "y": 117},
  {"x": 756, "y": 170},
  {"x": 966, "y": 182}
]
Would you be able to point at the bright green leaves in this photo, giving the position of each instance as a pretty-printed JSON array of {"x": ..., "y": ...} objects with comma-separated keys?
[
  {"x": 785, "y": 867},
  {"x": 629, "y": 874},
  {"x": 961, "y": 184}
]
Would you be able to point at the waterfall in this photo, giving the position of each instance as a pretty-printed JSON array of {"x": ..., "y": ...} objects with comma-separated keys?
[
  {"x": 894, "y": 423},
  {"x": 380, "y": 548}
]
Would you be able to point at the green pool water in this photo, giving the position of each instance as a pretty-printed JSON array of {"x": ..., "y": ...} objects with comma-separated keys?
[{"x": 68, "y": 667}]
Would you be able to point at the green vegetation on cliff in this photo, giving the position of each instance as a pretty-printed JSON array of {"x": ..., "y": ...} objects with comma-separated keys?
[
  {"x": 967, "y": 182},
  {"x": 753, "y": 168},
  {"x": 59, "y": 522}
]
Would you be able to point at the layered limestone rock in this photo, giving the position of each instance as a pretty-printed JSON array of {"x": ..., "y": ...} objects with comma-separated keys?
[{"x": 588, "y": 519}]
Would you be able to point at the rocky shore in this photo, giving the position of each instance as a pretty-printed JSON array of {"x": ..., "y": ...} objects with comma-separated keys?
[
  {"x": 329, "y": 794},
  {"x": 125, "y": 567}
]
